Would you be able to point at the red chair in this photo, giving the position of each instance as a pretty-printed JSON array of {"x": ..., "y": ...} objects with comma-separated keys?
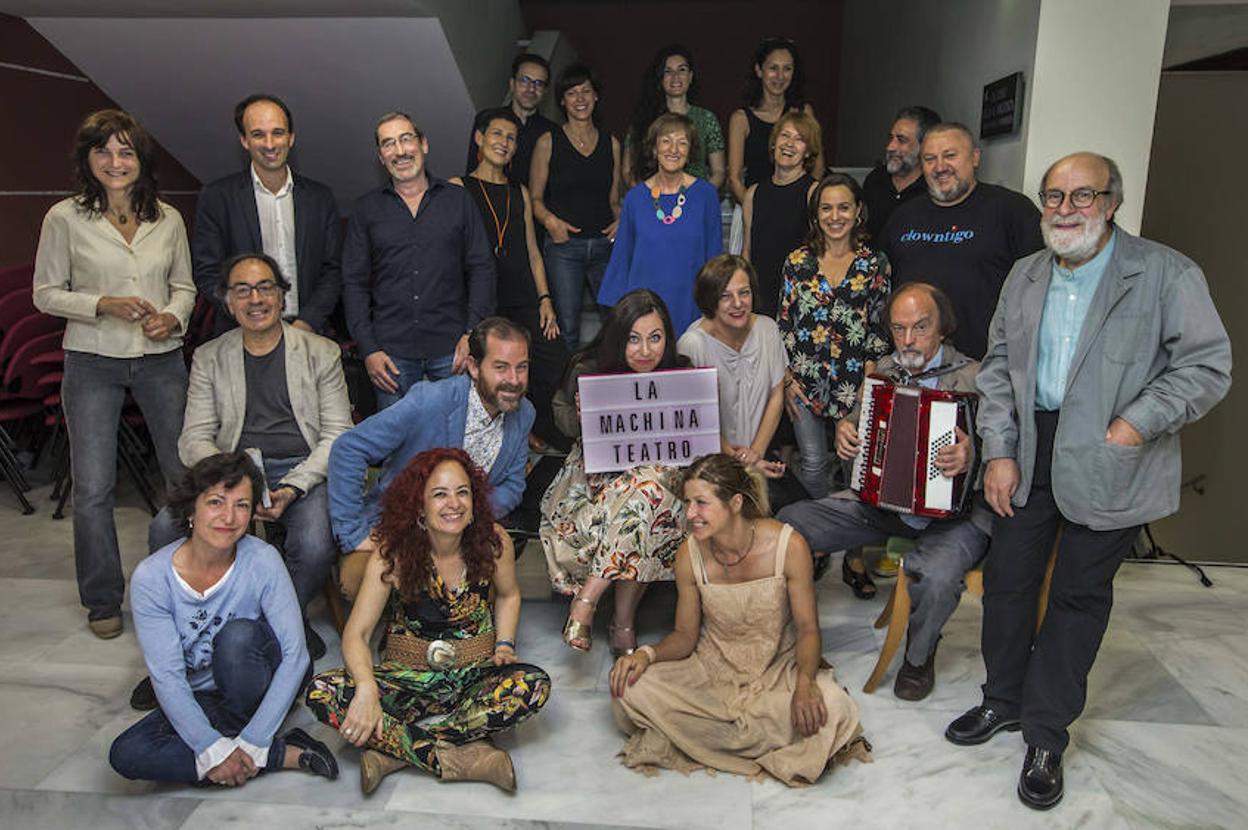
[
  {"x": 16, "y": 305},
  {"x": 21, "y": 398},
  {"x": 16, "y": 276},
  {"x": 26, "y": 329}
]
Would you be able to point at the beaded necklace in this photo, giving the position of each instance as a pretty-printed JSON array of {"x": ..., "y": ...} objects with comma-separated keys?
[{"x": 668, "y": 218}]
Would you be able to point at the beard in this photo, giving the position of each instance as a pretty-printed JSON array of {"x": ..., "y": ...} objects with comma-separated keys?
[
  {"x": 1077, "y": 239},
  {"x": 489, "y": 396},
  {"x": 895, "y": 164},
  {"x": 955, "y": 191},
  {"x": 912, "y": 360}
]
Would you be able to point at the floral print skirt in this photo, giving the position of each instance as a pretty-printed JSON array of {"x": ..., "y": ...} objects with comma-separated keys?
[{"x": 624, "y": 525}]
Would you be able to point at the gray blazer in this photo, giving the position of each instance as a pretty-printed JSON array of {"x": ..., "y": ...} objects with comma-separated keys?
[
  {"x": 1152, "y": 351},
  {"x": 216, "y": 400}
]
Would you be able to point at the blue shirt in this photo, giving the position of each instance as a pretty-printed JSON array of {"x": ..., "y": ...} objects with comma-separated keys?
[
  {"x": 413, "y": 285},
  {"x": 1065, "y": 307}
]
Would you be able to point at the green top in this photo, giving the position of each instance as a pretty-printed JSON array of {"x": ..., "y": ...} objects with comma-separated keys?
[{"x": 710, "y": 140}]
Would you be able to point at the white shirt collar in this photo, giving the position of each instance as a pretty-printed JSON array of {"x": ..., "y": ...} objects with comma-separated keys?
[{"x": 259, "y": 185}]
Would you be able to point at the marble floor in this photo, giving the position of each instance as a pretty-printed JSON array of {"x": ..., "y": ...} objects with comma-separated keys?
[{"x": 1165, "y": 730}]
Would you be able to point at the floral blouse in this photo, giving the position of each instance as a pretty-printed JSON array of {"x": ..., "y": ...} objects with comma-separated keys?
[{"x": 831, "y": 329}]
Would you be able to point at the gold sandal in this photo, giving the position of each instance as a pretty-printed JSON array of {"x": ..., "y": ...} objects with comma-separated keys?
[
  {"x": 578, "y": 632},
  {"x": 616, "y": 652}
]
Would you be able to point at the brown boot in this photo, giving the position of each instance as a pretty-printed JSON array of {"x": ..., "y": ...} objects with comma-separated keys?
[
  {"x": 375, "y": 766},
  {"x": 477, "y": 761}
]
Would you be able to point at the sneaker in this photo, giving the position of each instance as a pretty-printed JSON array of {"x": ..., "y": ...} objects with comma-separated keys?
[{"x": 106, "y": 628}]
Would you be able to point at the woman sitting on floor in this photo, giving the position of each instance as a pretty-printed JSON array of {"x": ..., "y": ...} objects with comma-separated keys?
[
  {"x": 222, "y": 636},
  {"x": 439, "y": 554},
  {"x": 739, "y": 684}
]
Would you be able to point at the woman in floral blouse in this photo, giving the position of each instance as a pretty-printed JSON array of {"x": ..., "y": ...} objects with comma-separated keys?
[{"x": 832, "y": 300}]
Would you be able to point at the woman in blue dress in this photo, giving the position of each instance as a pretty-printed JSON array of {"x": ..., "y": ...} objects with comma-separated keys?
[{"x": 669, "y": 225}]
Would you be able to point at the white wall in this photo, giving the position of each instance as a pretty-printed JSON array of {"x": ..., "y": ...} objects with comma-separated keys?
[
  {"x": 939, "y": 54},
  {"x": 1097, "y": 66}
]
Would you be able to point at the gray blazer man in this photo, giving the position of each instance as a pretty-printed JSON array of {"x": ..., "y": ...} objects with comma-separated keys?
[{"x": 1103, "y": 346}]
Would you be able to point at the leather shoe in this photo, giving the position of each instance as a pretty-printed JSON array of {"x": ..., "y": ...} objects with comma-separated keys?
[
  {"x": 314, "y": 756},
  {"x": 316, "y": 646},
  {"x": 143, "y": 698},
  {"x": 915, "y": 682},
  {"x": 978, "y": 725},
  {"x": 1040, "y": 784}
]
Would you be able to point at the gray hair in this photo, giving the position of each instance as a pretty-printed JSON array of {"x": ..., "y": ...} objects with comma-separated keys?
[
  {"x": 394, "y": 115},
  {"x": 1113, "y": 187},
  {"x": 924, "y": 119},
  {"x": 956, "y": 127}
]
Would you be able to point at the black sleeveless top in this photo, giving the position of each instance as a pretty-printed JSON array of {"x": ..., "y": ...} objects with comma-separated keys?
[
  {"x": 511, "y": 255},
  {"x": 758, "y": 161},
  {"x": 578, "y": 187},
  {"x": 778, "y": 226}
]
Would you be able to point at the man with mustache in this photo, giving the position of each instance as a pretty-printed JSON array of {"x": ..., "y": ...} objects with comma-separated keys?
[
  {"x": 1103, "y": 346},
  {"x": 899, "y": 178},
  {"x": 921, "y": 319},
  {"x": 417, "y": 273},
  {"x": 484, "y": 412},
  {"x": 964, "y": 237},
  {"x": 268, "y": 207}
]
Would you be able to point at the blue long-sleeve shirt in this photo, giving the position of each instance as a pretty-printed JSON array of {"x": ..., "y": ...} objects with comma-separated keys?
[
  {"x": 413, "y": 285},
  {"x": 176, "y": 628}
]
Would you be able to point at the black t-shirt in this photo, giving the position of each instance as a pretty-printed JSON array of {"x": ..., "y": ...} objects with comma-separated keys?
[
  {"x": 966, "y": 250},
  {"x": 269, "y": 421},
  {"x": 881, "y": 198}
]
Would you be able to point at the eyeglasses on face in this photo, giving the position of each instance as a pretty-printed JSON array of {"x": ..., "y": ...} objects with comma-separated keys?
[
  {"x": 536, "y": 83},
  {"x": 1080, "y": 197},
  {"x": 243, "y": 290}
]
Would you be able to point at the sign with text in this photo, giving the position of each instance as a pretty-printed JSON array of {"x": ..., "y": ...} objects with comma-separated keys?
[
  {"x": 1002, "y": 111},
  {"x": 667, "y": 417}
]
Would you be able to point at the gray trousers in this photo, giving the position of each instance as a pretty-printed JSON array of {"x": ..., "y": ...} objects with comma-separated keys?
[{"x": 944, "y": 552}]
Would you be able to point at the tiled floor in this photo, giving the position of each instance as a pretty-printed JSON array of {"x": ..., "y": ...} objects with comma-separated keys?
[{"x": 1163, "y": 742}]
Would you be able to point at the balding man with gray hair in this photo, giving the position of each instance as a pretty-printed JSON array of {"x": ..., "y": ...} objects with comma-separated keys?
[{"x": 1103, "y": 346}]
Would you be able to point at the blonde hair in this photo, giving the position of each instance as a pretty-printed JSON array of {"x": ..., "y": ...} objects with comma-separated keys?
[
  {"x": 729, "y": 477},
  {"x": 810, "y": 131}
]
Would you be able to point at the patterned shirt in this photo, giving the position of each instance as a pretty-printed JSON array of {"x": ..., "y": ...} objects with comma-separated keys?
[
  {"x": 483, "y": 435},
  {"x": 831, "y": 329}
]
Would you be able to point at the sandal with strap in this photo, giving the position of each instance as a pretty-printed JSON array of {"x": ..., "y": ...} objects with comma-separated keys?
[
  {"x": 616, "y": 651},
  {"x": 578, "y": 632},
  {"x": 860, "y": 582}
]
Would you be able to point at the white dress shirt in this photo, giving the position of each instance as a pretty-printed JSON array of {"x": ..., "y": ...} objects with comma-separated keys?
[{"x": 277, "y": 234}]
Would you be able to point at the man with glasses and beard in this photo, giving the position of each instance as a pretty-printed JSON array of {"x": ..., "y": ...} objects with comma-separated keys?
[
  {"x": 921, "y": 319},
  {"x": 899, "y": 178},
  {"x": 964, "y": 237},
  {"x": 1103, "y": 346},
  {"x": 484, "y": 412},
  {"x": 530, "y": 78}
]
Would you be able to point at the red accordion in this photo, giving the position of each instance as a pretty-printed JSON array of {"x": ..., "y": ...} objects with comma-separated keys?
[{"x": 902, "y": 428}]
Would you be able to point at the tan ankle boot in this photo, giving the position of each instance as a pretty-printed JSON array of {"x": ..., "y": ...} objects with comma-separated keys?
[
  {"x": 477, "y": 761},
  {"x": 375, "y": 766}
]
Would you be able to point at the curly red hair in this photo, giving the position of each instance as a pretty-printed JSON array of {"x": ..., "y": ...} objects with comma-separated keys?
[{"x": 404, "y": 544}]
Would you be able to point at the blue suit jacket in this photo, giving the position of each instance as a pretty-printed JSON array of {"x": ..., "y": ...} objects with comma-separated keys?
[
  {"x": 431, "y": 414},
  {"x": 227, "y": 223}
]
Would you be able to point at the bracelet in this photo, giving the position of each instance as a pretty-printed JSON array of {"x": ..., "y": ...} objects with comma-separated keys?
[
  {"x": 649, "y": 651},
  {"x": 509, "y": 643},
  {"x": 544, "y": 297}
]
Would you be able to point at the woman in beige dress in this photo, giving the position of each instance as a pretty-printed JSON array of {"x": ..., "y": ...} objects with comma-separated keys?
[{"x": 739, "y": 685}]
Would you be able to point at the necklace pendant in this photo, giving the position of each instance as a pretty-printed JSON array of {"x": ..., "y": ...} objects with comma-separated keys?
[{"x": 121, "y": 219}]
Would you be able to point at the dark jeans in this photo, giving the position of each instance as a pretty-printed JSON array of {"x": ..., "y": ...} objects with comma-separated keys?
[
  {"x": 245, "y": 654},
  {"x": 547, "y": 361},
  {"x": 309, "y": 550},
  {"x": 93, "y": 392},
  {"x": 1043, "y": 678},
  {"x": 412, "y": 370},
  {"x": 570, "y": 267}
]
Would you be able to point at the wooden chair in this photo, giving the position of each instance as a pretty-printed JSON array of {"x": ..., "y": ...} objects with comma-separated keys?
[{"x": 896, "y": 613}]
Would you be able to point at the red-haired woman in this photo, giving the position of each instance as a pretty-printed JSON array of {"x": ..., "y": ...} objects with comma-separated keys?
[{"x": 447, "y": 653}]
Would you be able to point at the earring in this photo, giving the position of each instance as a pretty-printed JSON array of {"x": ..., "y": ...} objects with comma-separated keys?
[
  {"x": 420, "y": 523},
  {"x": 858, "y": 221}
]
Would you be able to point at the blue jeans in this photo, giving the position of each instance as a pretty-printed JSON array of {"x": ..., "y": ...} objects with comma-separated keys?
[
  {"x": 811, "y": 431},
  {"x": 92, "y": 393},
  {"x": 570, "y": 266},
  {"x": 411, "y": 372},
  {"x": 309, "y": 550},
  {"x": 245, "y": 654}
]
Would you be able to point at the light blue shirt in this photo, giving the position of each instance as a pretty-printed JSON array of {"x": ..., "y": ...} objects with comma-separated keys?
[{"x": 1065, "y": 307}]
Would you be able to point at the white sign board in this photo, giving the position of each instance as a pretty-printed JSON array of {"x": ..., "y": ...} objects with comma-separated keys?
[{"x": 667, "y": 417}]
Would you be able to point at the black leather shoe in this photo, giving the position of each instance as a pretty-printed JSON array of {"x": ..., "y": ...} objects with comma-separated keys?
[
  {"x": 314, "y": 756},
  {"x": 915, "y": 682},
  {"x": 1040, "y": 785},
  {"x": 143, "y": 698},
  {"x": 316, "y": 646},
  {"x": 978, "y": 725}
]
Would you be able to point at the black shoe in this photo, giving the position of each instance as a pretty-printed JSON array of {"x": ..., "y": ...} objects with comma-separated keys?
[
  {"x": 915, "y": 682},
  {"x": 978, "y": 725},
  {"x": 315, "y": 757},
  {"x": 1040, "y": 784},
  {"x": 316, "y": 646},
  {"x": 820, "y": 561},
  {"x": 860, "y": 583},
  {"x": 143, "y": 698}
]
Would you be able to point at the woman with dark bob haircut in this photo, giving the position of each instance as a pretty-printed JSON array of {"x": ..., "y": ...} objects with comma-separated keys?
[
  {"x": 222, "y": 635},
  {"x": 446, "y": 652},
  {"x": 113, "y": 261},
  {"x": 604, "y": 529}
]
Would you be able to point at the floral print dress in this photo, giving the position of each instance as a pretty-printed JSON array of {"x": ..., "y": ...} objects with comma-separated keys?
[{"x": 832, "y": 328}]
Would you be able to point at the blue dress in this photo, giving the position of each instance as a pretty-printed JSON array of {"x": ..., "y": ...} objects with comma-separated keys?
[{"x": 664, "y": 257}]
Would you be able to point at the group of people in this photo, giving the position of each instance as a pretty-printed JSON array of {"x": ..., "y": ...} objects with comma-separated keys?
[{"x": 1089, "y": 349}]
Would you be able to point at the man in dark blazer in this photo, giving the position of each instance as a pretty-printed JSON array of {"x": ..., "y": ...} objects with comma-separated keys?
[{"x": 269, "y": 208}]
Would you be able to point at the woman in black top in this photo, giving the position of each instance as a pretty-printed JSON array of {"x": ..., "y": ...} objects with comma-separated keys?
[
  {"x": 775, "y": 208},
  {"x": 523, "y": 295},
  {"x": 575, "y": 184}
]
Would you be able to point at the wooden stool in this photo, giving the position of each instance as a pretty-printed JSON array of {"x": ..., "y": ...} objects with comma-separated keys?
[{"x": 896, "y": 613}]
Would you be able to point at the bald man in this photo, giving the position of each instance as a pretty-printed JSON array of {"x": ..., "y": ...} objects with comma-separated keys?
[{"x": 1103, "y": 346}]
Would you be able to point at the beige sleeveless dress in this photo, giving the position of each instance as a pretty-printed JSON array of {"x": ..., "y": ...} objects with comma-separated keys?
[{"x": 727, "y": 705}]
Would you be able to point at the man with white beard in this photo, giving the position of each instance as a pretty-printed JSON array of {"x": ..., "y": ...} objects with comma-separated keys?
[
  {"x": 899, "y": 178},
  {"x": 920, "y": 318},
  {"x": 1102, "y": 348}
]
